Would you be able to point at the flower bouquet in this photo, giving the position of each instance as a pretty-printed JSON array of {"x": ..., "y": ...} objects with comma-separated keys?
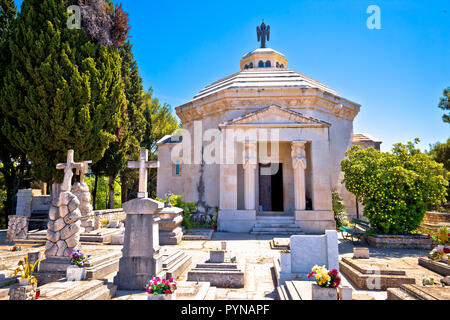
[
  {"x": 77, "y": 271},
  {"x": 327, "y": 283},
  {"x": 161, "y": 289}
]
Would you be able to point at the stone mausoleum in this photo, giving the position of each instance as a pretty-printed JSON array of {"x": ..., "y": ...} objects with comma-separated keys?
[{"x": 277, "y": 138}]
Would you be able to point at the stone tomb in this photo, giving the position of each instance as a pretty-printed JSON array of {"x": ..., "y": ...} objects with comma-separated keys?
[
  {"x": 439, "y": 267},
  {"x": 373, "y": 274},
  {"x": 306, "y": 252},
  {"x": 170, "y": 232},
  {"x": 142, "y": 257},
  {"x": 416, "y": 292},
  {"x": 219, "y": 271}
]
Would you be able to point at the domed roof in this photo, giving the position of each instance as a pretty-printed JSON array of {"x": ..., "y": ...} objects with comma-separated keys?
[{"x": 264, "y": 78}]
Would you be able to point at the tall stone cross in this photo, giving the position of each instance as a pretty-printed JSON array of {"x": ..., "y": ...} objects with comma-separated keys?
[
  {"x": 68, "y": 170},
  {"x": 143, "y": 166},
  {"x": 84, "y": 170}
]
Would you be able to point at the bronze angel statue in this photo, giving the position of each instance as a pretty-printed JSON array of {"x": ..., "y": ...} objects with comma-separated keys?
[{"x": 263, "y": 33}]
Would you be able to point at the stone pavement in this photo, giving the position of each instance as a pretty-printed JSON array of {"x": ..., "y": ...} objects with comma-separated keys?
[{"x": 255, "y": 255}]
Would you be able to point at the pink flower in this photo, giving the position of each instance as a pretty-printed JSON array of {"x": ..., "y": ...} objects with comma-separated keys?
[
  {"x": 171, "y": 280},
  {"x": 311, "y": 275},
  {"x": 333, "y": 272}
]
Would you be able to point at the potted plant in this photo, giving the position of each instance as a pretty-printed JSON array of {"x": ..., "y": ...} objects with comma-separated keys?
[
  {"x": 327, "y": 283},
  {"x": 27, "y": 283},
  {"x": 161, "y": 289},
  {"x": 442, "y": 250},
  {"x": 77, "y": 271}
]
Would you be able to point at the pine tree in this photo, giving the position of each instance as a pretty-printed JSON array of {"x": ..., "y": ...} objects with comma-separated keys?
[
  {"x": 135, "y": 111},
  {"x": 445, "y": 105},
  {"x": 13, "y": 163},
  {"x": 61, "y": 91}
]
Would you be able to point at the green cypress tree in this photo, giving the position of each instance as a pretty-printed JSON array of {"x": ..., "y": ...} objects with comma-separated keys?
[
  {"x": 135, "y": 111},
  {"x": 61, "y": 91}
]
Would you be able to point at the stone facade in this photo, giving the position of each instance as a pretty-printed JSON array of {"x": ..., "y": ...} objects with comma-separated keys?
[
  {"x": 170, "y": 232},
  {"x": 17, "y": 228}
]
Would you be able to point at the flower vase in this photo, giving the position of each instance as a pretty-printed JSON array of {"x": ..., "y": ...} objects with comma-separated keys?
[
  {"x": 24, "y": 290},
  {"x": 320, "y": 293},
  {"x": 75, "y": 273},
  {"x": 162, "y": 297}
]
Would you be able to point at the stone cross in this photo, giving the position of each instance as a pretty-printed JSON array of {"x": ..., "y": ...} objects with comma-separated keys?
[
  {"x": 84, "y": 170},
  {"x": 143, "y": 166},
  {"x": 68, "y": 170}
]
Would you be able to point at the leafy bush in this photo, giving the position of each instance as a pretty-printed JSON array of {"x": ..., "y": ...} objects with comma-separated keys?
[
  {"x": 340, "y": 215},
  {"x": 396, "y": 188}
]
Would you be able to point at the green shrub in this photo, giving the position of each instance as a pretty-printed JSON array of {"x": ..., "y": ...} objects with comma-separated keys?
[
  {"x": 340, "y": 215},
  {"x": 396, "y": 188}
]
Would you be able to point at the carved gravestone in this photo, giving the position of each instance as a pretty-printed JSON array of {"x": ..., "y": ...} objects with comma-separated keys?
[{"x": 141, "y": 257}]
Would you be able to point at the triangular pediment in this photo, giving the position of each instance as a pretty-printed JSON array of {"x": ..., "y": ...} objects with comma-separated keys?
[{"x": 275, "y": 116}]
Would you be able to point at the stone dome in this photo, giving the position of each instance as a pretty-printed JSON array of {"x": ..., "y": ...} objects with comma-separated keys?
[{"x": 263, "y": 58}]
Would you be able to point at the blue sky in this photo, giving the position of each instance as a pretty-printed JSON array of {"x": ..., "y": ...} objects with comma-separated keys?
[{"x": 397, "y": 73}]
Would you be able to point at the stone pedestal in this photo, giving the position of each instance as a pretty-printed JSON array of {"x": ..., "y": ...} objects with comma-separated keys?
[
  {"x": 170, "y": 232},
  {"x": 141, "y": 258},
  {"x": 24, "y": 202},
  {"x": 17, "y": 228}
]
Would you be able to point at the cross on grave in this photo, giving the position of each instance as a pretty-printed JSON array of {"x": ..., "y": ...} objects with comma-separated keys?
[
  {"x": 68, "y": 170},
  {"x": 143, "y": 166},
  {"x": 84, "y": 170}
]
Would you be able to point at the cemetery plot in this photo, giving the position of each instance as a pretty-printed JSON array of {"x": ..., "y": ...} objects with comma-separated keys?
[
  {"x": 374, "y": 274},
  {"x": 199, "y": 234},
  {"x": 415, "y": 292},
  {"x": 218, "y": 271},
  {"x": 439, "y": 267},
  {"x": 280, "y": 243}
]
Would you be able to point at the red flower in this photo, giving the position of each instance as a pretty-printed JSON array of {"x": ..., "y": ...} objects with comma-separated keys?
[
  {"x": 333, "y": 272},
  {"x": 38, "y": 294},
  {"x": 447, "y": 250},
  {"x": 429, "y": 236},
  {"x": 311, "y": 275}
]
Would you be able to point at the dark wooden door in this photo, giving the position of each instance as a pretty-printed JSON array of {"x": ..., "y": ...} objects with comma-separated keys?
[{"x": 265, "y": 188}]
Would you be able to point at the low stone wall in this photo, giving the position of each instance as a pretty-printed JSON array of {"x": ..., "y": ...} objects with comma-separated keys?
[
  {"x": 111, "y": 214},
  {"x": 437, "y": 217},
  {"x": 401, "y": 241}
]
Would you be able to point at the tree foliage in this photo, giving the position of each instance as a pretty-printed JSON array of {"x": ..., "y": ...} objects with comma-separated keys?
[
  {"x": 445, "y": 105},
  {"x": 396, "y": 188},
  {"x": 61, "y": 91},
  {"x": 440, "y": 152}
]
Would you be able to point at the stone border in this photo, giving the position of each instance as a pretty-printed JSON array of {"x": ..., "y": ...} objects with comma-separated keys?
[
  {"x": 436, "y": 266},
  {"x": 401, "y": 241}
]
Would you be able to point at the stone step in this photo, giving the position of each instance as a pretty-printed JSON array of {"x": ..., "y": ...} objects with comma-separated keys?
[
  {"x": 275, "y": 220},
  {"x": 227, "y": 266},
  {"x": 269, "y": 229},
  {"x": 172, "y": 259},
  {"x": 102, "y": 270},
  {"x": 179, "y": 268},
  {"x": 218, "y": 278},
  {"x": 281, "y": 293},
  {"x": 95, "y": 261},
  {"x": 276, "y": 225},
  {"x": 291, "y": 290},
  {"x": 399, "y": 294},
  {"x": 71, "y": 291},
  {"x": 274, "y": 233},
  {"x": 105, "y": 292}
]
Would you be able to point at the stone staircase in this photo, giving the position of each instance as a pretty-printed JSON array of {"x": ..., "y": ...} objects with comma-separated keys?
[
  {"x": 276, "y": 225},
  {"x": 290, "y": 290},
  {"x": 175, "y": 264}
]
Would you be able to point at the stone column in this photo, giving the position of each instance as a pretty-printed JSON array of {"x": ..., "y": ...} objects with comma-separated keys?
[
  {"x": 141, "y": 259},
  {"x": 299, "y": 166},
  {"x": 250, "y": 158}
]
